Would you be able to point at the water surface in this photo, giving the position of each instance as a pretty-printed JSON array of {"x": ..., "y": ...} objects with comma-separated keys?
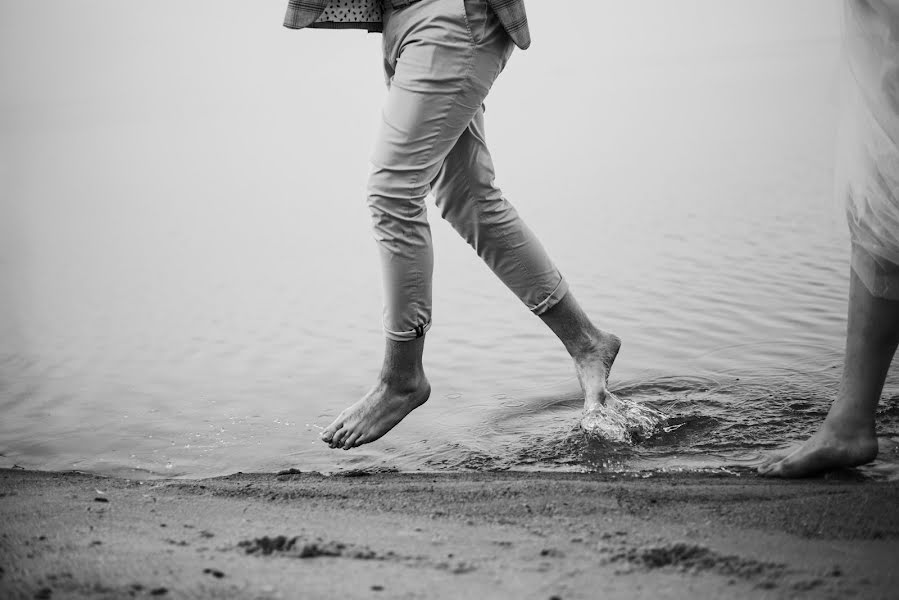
[{"x": 188, "y": 284}]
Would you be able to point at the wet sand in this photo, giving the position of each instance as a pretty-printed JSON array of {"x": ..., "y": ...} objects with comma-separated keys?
[{"x": 400, "y": 535}]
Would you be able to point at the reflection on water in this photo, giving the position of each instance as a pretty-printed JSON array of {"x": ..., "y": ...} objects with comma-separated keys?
[{"x": 188, "y": 285}]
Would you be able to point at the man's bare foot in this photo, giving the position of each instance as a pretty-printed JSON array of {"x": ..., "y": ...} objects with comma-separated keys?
[
  {"x": 593, "y": 366},
  {"x": 376, "y": 413},
  {"x": 606, "y": 415},
  {"x": 828, "y": 449}
]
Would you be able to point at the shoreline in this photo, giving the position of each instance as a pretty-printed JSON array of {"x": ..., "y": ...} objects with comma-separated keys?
[{"x": 445, "y": 535}]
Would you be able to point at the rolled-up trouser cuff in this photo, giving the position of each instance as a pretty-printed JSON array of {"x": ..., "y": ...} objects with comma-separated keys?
[
  {"x": 407, "y": 336},
  {"x": 553, "y": 298}
]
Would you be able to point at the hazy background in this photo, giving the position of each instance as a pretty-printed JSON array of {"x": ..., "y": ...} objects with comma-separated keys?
[{"x": 188, "y": 283}]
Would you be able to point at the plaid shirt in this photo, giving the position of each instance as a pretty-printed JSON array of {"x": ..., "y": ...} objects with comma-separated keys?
[{"x": 304, "y": 13}]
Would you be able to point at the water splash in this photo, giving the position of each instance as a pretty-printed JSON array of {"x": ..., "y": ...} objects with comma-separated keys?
[{"x": 623, "y": 421}]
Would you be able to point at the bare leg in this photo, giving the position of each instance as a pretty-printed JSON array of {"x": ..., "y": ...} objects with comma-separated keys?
[
  {"x": 401, "y": 388},
  {"x": 592, "y": 349},
  {"x": 846, "y": 438}
]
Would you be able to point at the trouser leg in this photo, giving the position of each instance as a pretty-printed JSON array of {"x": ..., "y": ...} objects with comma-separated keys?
[
  {"x": 470, "y": 201},
  {"x": 440, "y": 68}
]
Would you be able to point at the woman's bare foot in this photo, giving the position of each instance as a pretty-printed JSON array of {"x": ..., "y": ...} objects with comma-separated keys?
[
  {"x": 777, "y": 456},
  {"x": 831, "y": 447},
  {"x": 847, "y": 437},
  {"x": 376, "y": 413}
]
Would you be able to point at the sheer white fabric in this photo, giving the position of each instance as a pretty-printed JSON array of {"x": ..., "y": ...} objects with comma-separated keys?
[{"x": 868, "y": 165}]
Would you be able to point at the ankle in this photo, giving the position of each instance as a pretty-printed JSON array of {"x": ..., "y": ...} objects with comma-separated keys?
[
  {"x": 596, "y": 342},
  {"x": 405, "y": 381},
  {"x": 848, "y": 427}
]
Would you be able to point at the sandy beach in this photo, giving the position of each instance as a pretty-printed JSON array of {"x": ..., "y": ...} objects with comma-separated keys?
[{"x": 450, "y": 535}]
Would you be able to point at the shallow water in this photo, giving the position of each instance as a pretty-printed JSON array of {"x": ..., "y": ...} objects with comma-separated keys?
[{"x": 189, "y": 286}]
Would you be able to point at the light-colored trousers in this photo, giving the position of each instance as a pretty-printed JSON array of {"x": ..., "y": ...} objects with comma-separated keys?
[{"x": 441, "y": 57}]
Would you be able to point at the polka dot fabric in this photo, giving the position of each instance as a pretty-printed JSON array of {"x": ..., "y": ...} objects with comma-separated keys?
[{"x": 351, "y": 11}]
